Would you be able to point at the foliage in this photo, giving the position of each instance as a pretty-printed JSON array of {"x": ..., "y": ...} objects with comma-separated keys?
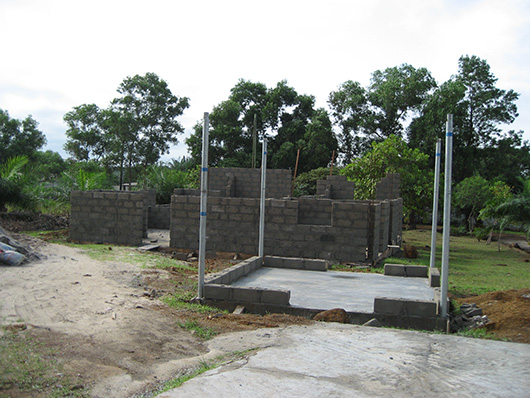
[
  {"x": 373, "y": 114},
  {"x": 478, "y": 108},
  {"x": 394, "y": 156},
  {"x": 86, "y": 137},
  {"x": 28, "y": 366},
  {"x": 164, "y": 180},
  {"x": 15, "y": 185},
  {"x": 47, "y": 166},
  {"x": 515, "y": 209},
  {"x": 19, "y": 137},
  {"x": 136, "y": 129},
  {"x": 470, "y": 196},
  {"x": 474, "y": 267},
  {"x": 306, "y": 183},
  {"x": 279, "y": 109},
  {"x": 203, "y": 332}
]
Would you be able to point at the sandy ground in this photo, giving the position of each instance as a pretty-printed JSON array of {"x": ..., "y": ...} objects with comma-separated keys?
[
  {"x": 112, "y": 335},
  {"x": 95, "y": 313}
]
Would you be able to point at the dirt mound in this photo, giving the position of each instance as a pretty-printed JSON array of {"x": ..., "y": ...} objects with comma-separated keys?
[
  {"x": 508, "y": 311},
  {"x": 18, "y": 221}
]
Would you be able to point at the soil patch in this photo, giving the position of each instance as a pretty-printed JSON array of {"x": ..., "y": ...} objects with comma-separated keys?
[{"x": 508, "y": 311}]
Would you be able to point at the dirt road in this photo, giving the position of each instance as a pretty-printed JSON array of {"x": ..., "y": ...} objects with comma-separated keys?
[{"x": 96, "y": 315}]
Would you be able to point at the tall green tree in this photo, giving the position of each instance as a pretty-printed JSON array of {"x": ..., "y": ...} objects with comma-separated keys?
[
  {"x": 393, "y": 155},
  {"x": 135, "y": 130},
  {"x": 85, "y": 134},
  {"x": 19, "y": 137},
  {"x": 152, "y": 110},
  {"x": 372, "y": 114},
  {"x": 287, "y": 119},
  {"x": 350, "y": 111},
  {"x": 479, "y": 108}
]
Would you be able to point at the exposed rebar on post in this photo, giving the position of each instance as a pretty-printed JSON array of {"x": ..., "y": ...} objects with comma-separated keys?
[
  {"x": 447, "y": 214},
  {"x": 262, "y": 201},
  {"x": 204, "y": 204},
  {"x": 438, "y": 155}
]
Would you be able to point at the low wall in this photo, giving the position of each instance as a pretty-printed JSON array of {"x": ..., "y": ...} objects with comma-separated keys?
[{"x": 109, "y": 216}]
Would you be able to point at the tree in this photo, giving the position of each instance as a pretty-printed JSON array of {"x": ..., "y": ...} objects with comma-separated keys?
[
  {"x": 152, "y": 109},
  {"x": 19, "y": 137},
  {"x": 394, "y": 156},
  {"x": 136, "y": 129},
  {"x": 373, "y": 114},
  {"x": 393, "y": 94},
  {"x": 279, "y": 109},
  {"x": 471, "y": 196},
  {"x": 14, "y": 184},
  {"x": 349, "y": 106},
  {"x": 86, "y": 137},
  {"x": 478, "y": 108}
]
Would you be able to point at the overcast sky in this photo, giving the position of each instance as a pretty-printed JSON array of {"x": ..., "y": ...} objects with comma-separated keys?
[{"x": 64, "y": 53}]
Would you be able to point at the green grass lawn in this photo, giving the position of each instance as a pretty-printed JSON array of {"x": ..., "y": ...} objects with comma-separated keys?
[{"x": 474, "y": 267}]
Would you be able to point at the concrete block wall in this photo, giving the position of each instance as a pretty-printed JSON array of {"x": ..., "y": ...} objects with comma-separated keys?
[
  {"x": 396, "y": 221},
  {"x": 336, "y": 187},
  {"x": 235, "y": 272},
  {"x": 109, "y": 216},
  {"x": 233, "y": 223},
  {"x": 384, "y": 226},
  {"x": 314, "y": 211},
  {"x": 246, "y": 183},
  {"x": 389, "y": 187},
  {"x": 158, "y": 217}
]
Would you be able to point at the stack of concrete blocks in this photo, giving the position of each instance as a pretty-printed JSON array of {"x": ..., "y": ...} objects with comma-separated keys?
[
  {"x": 336, "y": 187},
  {"x": 236, "y": 182},
  {"x": 110, "y": 216},
  {"x": 389, "y": 187},
  {"x": 309, "y": 227}
]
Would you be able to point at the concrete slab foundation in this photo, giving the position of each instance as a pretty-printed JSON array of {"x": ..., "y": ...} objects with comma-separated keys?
[
  {"x": 305, "y": 287},
  {"x": 334, "y": 360}
]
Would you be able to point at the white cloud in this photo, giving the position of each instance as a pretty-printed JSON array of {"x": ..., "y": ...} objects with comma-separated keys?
[{"x": 61, "y": 54}]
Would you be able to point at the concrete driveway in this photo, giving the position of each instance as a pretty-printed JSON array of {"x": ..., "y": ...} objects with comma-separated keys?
[{"x": 336, "y": 360}]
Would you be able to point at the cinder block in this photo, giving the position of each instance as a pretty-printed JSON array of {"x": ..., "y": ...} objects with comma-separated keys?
[
  {"x": 217, "y": 292},
  {"x": 421, "y": 308},
  {"x": 395, "y": 269},
  {"x": 315, "y": 265},
  {"x": 397, "y": 306},
  {"x": 434, "y": 277},
  {"x": 246, "y": 294},
  {"x": 386, "y": 305},
  {"x": 416, "y": 271},
  {"x": 279, "y": 297}
]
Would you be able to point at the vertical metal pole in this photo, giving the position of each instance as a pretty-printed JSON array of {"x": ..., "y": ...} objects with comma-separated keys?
[
  {"x": 254, "y": 134},
  {"x": 447, "y": 213},
  {"x": 204, "y": 203},
  {"x": 262, "y": 200},
  {"x": 436, "y": 193}
]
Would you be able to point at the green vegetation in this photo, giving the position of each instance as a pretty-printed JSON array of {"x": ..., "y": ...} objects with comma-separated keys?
[
  {"x": 202, "y": 367},
  {"x": 203, "y": 332},
  {"x": 176, "y": 301},
  {"x": 474, "y": 267},
  {"x": 29, "y": 368}
]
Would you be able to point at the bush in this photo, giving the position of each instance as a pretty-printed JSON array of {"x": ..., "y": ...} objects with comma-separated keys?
[{"x": 306, "y": 183}]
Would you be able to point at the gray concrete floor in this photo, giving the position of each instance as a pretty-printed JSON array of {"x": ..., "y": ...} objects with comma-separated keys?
[
  {"x": 335, "y": 360},
  {"x": 352, "y": 291}
]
